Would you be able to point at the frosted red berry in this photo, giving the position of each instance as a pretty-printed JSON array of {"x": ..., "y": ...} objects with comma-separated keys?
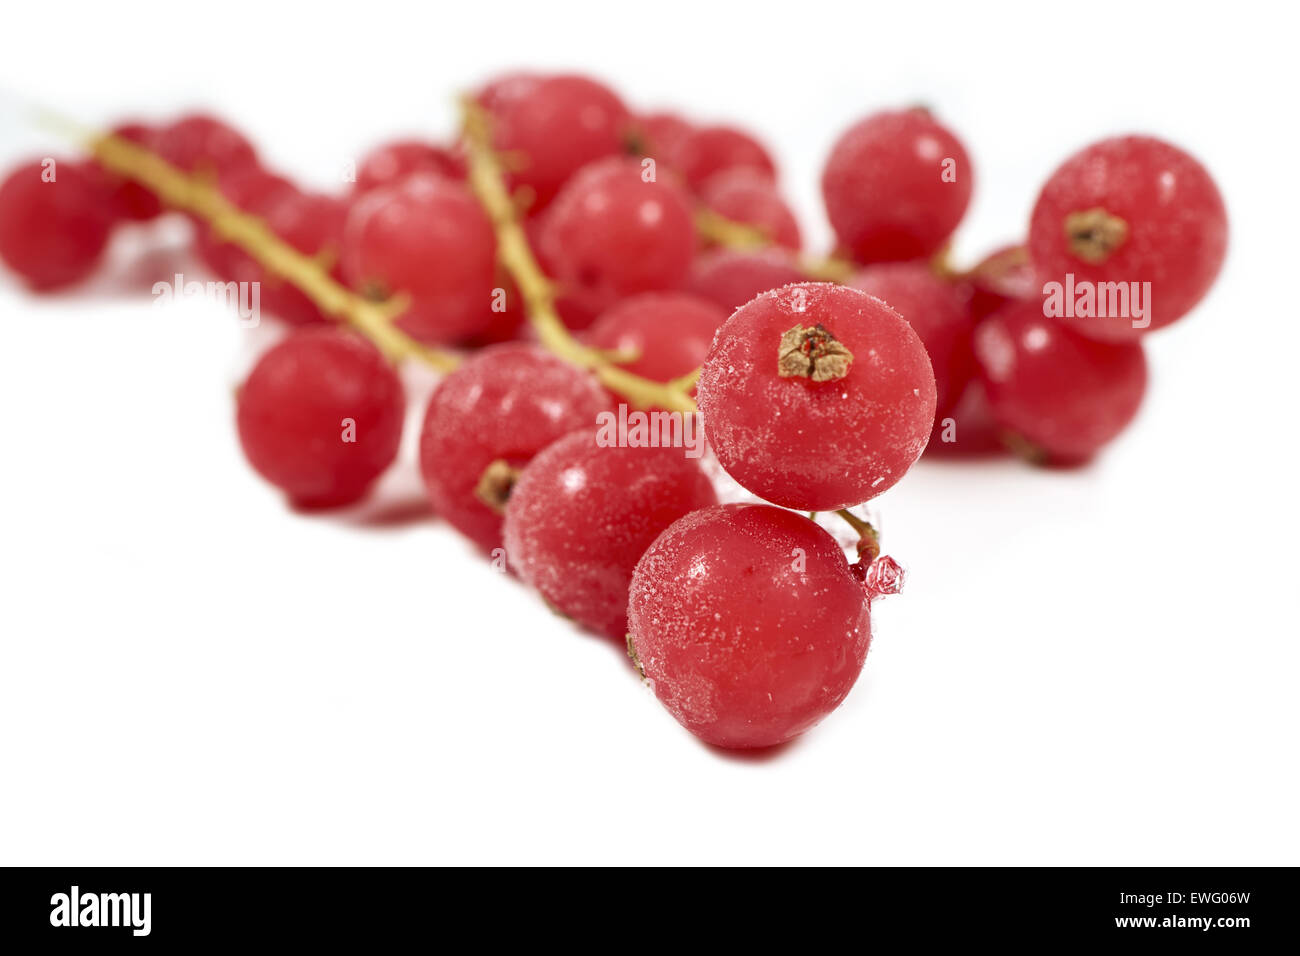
[
  {"x": 748, "y": 624},
  {"x": 487, "y": 419},
  {"x": 748, "y": 196},
  {"x": 1060, "y": 396},
  {"x": 708, "y": 150},
  {"x": 1130, "y": 210},
  {"x": 939, "y": 311},
  {"x": 817, "y": 396},
  {"x": 731, "y": 277},
  {"x": 396, "y": 160},
  {"x": 550, "y": 127},
  {"x": 424, "y": 236},
  {"x": 610, "y": 233},
  {"x": 53, "y": 230},
  {"x": 668, "y": 332},
  {"x": 320, "y": 416},
  {"x": 896, "y": 185},
  {"x": 581, "y": 515}
]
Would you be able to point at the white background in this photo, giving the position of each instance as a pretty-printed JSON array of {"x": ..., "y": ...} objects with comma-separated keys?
[{"x": 1095, "y": 667}]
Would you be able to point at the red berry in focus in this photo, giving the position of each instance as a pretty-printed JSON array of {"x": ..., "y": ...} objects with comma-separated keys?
[
  {"x": 732, "y": 277},
  {"x": 581, "y": 515},
  {"x": 550, "y": 127},
  {"x": 1131, "y": 210},
  {"x": 748, "y": 196},
  {"x": 320, "y": 416},
  {"x": 748, "y": 624},
  {"x": 939, "y": 312},
  {"x": 670, "y": 332},
  {"x": 1061, "y": 393},
  {"x": 709, "y": 150},
  {"x": 610, "y": 234},
  {"x": 896, "y": 185},
  {"x": 487, "y": 419},
  {"x": 53, "y": 233},
  {"x": 204, "y": 144},
  {"x": 425, "y": 236},
  {"x": 393, "y": 161},
  {"x": 817, "y": 396}
]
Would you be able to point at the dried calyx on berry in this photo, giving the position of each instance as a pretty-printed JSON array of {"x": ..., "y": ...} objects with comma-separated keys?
[
  {"x": 495, "y": 484},
  {"x": 812, "y": 353},
  {"x": 1094, "y": 234}
]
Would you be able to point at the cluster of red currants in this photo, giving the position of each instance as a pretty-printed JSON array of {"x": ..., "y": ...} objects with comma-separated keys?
[{"x": 749, "y": 620}]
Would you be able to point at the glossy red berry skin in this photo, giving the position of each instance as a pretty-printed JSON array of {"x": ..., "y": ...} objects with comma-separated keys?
[
  {"x": 204, "y": 144},
  {"x": 581, "y": 515},
  {"x": 748, "y": 624},
  {"x": 670, "y": 332},
  {"x": 885, "y": 189},
  {"x": 748, "y": 196},
  {"x": 610, "y": 234},
  {"x": 1061, "y": 393},
  {"x": 708, "y": 150},
  {"x": 1173, "y": 229},
  {"x": 505, "y": 403},
  {"x": 53, "y": 234},
  {"x": 817, "y": 445},
  {"x": 295, "y": 409},
  {"x": 425, "y": 236},
  {"x": 731, "y": 277},
  {"x": 939, "y": 311},
  {"x": 554, "y": 126},
  {"x": 396, "y": 160}
]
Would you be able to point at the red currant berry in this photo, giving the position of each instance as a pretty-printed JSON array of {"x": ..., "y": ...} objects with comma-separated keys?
[
  {"x": 817, "y": 396},
  {"x": 749, "y": 196},
  {"x": 487, "y": 419},
  {"x": 731, "y": 277},
  {"x": 425, "y": 236},
  {"x": 939, "y": 312},
  {"x": 610, "y": 233},
  {"x": 581, "y": 515},
  {"x": 320, "y": 416},
  {"x": 748, "y": 624},
  {"x": 661, "y": 135},
  {"x": 204, "y": 144},
  {"x": 896, "y": 185},
  {"x": 1001, "y": 277},
  {"x": 668, "y": 332},
  {"x": 1130, "y": 210},
  {"x": 709, "y": 150},
  {"x": 553, "y": 126},
  {"x": 53, "y": 230},
  {"x": 397, "y": 160},
  {"x": 1060, "y": 395}
]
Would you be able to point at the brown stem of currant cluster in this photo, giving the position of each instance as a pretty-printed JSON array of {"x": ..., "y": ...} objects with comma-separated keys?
[
  {"x": 744, "y": 237},
  {"x": 868, "y": 537},
  {"x": 487, "y": 180},
  {"x": 201, "y": 198}
]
